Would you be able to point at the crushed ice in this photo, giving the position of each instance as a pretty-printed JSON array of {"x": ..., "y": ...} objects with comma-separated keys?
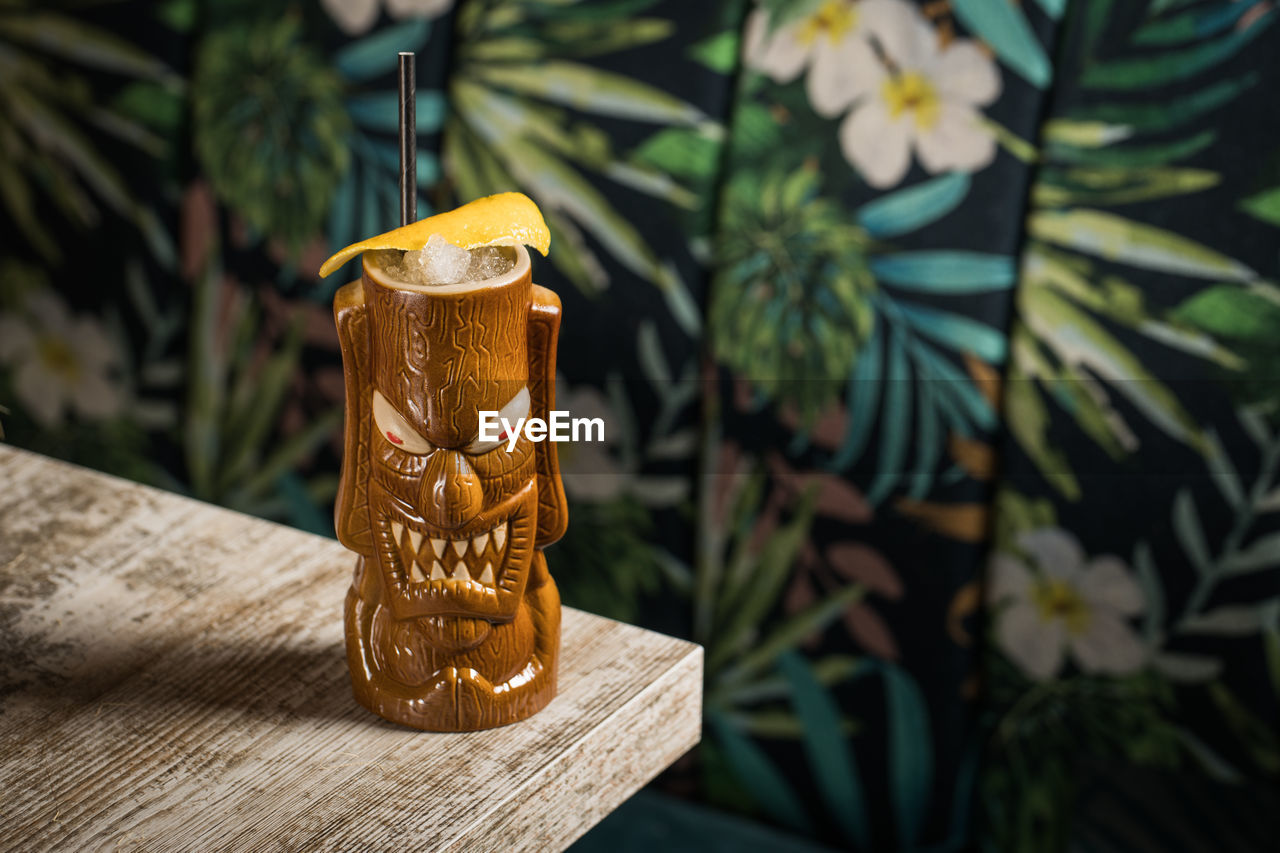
[
  {"x": 490, "y": 261},
  {"x": 441, "y": 262}
]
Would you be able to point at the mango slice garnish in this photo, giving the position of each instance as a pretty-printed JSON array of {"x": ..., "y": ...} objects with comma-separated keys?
[{"x": 505, "y": 219}]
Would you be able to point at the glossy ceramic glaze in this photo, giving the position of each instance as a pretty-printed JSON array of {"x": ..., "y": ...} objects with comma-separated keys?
[{"x": 452, "y": 620}]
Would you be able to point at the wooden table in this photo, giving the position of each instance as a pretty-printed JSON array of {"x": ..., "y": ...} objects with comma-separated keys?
[{"x": 172, "y": 677}]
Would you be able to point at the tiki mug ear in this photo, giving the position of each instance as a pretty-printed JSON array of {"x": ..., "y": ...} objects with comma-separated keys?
[
  {"x": 351, "y": 511},
  {"x": 544, "y": 332}
]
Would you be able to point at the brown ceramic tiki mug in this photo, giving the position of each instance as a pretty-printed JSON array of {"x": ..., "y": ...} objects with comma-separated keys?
[{"x": 452, "y": 620}]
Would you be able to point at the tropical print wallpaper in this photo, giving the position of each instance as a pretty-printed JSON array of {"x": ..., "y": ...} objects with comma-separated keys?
[{"x": 939, "y": 345}]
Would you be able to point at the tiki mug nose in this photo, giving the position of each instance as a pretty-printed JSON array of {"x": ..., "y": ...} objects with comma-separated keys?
[{"x": 451, "y": 491}]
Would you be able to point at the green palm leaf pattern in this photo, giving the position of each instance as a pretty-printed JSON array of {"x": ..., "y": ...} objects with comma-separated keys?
[
  {"x": 808, "y": 303},
  {"x": 47, "y": 110},
  {"x": 791, "y": 269},
  {"x": 1123, "y": 148},
  {"x": 270, "y": 126},
  {"x": 521, "y": 109},
  {"x": 233, "y": 407}
]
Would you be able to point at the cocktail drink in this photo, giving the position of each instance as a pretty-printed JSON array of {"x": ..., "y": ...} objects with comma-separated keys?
[{"x": 452, "y": 619}]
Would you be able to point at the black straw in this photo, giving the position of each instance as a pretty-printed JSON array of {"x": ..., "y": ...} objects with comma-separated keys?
[{"x": 408, "y": 141}]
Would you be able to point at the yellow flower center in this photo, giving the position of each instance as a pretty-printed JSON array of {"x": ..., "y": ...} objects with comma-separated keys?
[
  {"x": 59, "y": 358},
  {"x": 833, "y": 19},
  {"x": 912, "y": 92},
  {"x": 1055, "y": 599}
]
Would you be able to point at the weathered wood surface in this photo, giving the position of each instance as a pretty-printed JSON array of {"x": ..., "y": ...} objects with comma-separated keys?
[{"x": 172, "y": 677}]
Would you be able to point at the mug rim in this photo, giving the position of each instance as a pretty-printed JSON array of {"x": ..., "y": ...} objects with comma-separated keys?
[{"x": 511, "y": 276}]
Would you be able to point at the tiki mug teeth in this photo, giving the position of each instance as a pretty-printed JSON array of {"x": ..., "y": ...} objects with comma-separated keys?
[{"x": 452, "y": 620}]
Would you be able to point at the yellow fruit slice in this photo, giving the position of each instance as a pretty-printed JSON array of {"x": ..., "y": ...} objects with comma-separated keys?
[{"x": 505, "y": 219}]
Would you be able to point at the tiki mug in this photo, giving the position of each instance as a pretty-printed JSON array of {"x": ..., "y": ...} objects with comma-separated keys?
[{"x": 452, "y": 620}]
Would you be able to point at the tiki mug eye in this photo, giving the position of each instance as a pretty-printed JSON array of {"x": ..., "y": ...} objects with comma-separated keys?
[
  {"x": 516, "y": 409},
  {"x": 395, "y": 430}
]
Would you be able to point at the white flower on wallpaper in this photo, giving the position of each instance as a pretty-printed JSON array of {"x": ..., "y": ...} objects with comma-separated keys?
[
  {"x": 829, "y": 41},
  {"x": 919, "y": 97},
  {"x": 902, "y": 91},
  {"x": 1062, "y": 603},
  {"x": 59, "y": 363},
  {"x": 354, "y": 17}
]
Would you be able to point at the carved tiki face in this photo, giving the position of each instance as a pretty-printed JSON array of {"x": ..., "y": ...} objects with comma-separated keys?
[{"x": 452, "y": 620}]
